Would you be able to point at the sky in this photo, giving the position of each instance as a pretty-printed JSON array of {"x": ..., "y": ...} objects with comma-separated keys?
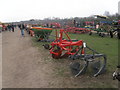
[{"x": 20, "y": 10}]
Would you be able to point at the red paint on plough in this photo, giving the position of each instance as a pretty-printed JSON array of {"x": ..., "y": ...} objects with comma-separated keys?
[{"x": 62, "y": 47}]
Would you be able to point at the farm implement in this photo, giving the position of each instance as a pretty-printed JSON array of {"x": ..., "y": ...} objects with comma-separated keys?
[
  {"x": 99, "y": 31},
  {"x": 64, "y": 47},
  {"x": 41, "y": 33},
  {"x": 90, "y": 57},
  {"x": 79, "y": 52},
  {"x": 116, "y": 74},
  {"x": 77, "y": 30},
  {"x": 108, "y": 29}
]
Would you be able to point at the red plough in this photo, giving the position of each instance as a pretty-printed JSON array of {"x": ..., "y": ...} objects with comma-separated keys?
[
  {"x": 77, "y": 30},
  {"x": 62, "y": 47}
]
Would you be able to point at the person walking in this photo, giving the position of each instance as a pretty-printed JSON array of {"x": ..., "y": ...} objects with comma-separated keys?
[
  {"x": 22, "y": 27},
  {"x": 12, "y": 27},
  {"x": 8, "y": 26}
]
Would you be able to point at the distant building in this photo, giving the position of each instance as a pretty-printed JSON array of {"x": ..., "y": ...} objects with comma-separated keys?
[
  {"x": 119, "y": 7},
  {"x": 106, "y": 13}
]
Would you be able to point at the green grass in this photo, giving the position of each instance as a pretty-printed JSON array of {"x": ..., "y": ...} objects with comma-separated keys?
[{"x": 104, "y": 45}]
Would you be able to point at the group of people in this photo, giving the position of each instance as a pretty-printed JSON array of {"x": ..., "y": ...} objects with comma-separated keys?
[{"x": 11, "y": 27}]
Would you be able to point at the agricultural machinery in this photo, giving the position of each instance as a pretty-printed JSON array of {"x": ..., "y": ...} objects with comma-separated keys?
[
  {"x": 76, "y": 50},
  {"x": 107, "y": 27},
  {"x": 90, "y": 57},
  {"x": 77, "y": 30},
  {"x": 116, "y": 31},
  {"x": 102, "y": 29},
  {"x": 74, "y": 27},
  {"x": 79, "y": 52},
  {"x": 116, "y": 74},
  {"x": 63, "y": 47},
  {"x": 89, "y": 24},
  {"x": 41, "y": 33}
]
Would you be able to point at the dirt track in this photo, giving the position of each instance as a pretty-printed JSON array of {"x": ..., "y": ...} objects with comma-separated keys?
[
  {"x": 0, "y": 60},
  {"x": 22, "y": 65}
]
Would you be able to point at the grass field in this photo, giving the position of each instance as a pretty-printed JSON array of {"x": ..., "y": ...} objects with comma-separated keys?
[{"x": 104, "y": 45}]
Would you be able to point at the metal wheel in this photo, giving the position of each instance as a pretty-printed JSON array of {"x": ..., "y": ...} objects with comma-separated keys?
[
  {"x": 90, "y": 33},
  {"x": 99, "y": 65},
  {"x": 79, "y": 67},
  {"x": 46, "y": 46},
  {"x": 59, "y": 52}
]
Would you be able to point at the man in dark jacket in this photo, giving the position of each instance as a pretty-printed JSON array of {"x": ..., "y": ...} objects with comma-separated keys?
[
  {"x": 22, "y": 27},
  {"x": 12, "y": 27}
]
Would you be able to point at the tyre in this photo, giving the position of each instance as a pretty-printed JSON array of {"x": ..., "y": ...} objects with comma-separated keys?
[
  {"x": 46, "y": 46},
  {"x": 90, "y": 33},
  {"x": 99, "y": 34},
  {"x": 58, "y": 54},
  {"x": 103, "y": 35}
]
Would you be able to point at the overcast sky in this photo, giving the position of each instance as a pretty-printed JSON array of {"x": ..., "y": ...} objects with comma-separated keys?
[{"x": 17, "y": 10}]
